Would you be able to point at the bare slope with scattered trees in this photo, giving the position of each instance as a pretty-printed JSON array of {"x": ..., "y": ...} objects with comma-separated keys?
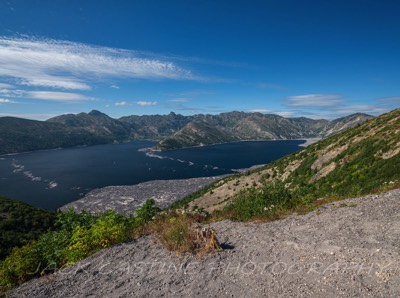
[{"x": 356, "y": 162}]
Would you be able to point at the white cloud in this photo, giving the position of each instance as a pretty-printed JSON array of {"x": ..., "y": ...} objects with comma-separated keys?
[
  {"x": 285, "y": 114},
  {"x": 263, "y": 111},
  {"x": 114, "y": 86},
  {"x": 367, "y": 109},
  {"x": 179, "y": 100},
  {"x": 391, "y": 99},
  {"x": 6, "y": 86},
  {"x": 55, "y": 82},
  {"x": 11, "y": 92},
  {"x": 3, "y": 100},
  {"x": 341, "y": 111},
  {"x": 69, "y": 65},
  {"x": 122, "y": 104},
  {"x": 331, "y": 106},
  {"x": 44, "y": 95},
  {"x": 315, "y": 100},
  {"x": 56, "y": 96},
  {"x": 146, "y": 103}
]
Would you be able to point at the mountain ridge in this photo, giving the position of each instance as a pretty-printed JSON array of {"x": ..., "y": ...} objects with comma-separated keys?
[
  {"x": 171, "y": 130},
  {"x": 257, "y": 126}
]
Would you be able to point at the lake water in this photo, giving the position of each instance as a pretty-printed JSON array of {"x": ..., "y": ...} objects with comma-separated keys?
[{"x": 52, "y": 178}]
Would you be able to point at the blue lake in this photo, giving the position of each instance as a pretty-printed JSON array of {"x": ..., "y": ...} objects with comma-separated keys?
[{"x": 52, "y": 178}]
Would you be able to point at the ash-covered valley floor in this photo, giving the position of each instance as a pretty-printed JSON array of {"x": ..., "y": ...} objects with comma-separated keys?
[{"x": 126, "y": 198}]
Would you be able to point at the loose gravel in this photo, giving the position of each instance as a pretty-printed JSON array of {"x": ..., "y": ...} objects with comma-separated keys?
[{"x": 349, "y": 248}]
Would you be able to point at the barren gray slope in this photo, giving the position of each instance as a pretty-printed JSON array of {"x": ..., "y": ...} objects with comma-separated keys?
[
  {"x": 337, "y": 251},
  {"x": 126, "y": 198}
]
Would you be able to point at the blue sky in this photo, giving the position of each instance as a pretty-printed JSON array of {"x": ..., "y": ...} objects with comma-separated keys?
[{"x": 319, "y": 59}]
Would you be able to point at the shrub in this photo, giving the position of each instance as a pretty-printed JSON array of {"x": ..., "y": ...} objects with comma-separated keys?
[
  {"x": 179, "y": 231},
  {"x": 147, "y": 211},
  {"x": 176, "y": 234},
  {"x": 53, "y": 248},
  {"x": 21, "y": 265},
  {"x": 78, "y": 236},
  {"x": 258, "y": 203},
  {"x": 69, "y": 220},
  {"x": 108, "y": 229}
]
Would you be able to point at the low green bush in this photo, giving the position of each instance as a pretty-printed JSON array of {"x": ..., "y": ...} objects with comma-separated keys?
[{"x": 75, "y": 236}]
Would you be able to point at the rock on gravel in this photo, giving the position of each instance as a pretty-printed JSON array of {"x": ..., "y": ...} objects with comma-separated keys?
[
  {"x": 349, "y": 248},
  {"x": 125, "y": 199}
]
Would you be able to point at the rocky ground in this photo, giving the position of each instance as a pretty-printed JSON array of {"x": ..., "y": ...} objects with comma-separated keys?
[
  {"x": 349, "y": 248},
  {"x": 125, "y": 199}
]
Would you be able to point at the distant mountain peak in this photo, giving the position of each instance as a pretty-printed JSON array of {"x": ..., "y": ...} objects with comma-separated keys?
[
  {"x": 97, "y": 113},
  {"x": 173, "y": 130}
]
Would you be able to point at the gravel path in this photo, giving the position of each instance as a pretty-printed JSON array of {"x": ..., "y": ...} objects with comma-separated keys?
[
  {"x": 345, "y": 249},
  {"x": 125, "y": 199}
]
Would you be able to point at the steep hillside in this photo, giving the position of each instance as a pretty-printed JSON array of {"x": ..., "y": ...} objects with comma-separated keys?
[
  {"x": 211, "y": 129},
  {"x": 359, "y": 161},
  {"x": 198, "y": 133},
  {"x": 155, "y": 126},
  {"x": 98, "y": 124},
  {"x": 21, "y": 135}
]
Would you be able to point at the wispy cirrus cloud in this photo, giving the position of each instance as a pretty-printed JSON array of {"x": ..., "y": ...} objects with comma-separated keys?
[
  {"x": 6, "y": 86},
  {"x": 314, "y": 100},
  {"x": 42, "y": 95},
  {"x": 53, "y": 82},
  {"x": 56, "y": 96},
  {"x": 373, "y": 109},
  {"x": 122, "y": 104},
  {"x": 70, "y": 65},
  {"x": 5, "y": 100},
  {"x": 11, "y": 92},
  {"x": 330, "y": 106},
  {"x": 143, "y": 103}
]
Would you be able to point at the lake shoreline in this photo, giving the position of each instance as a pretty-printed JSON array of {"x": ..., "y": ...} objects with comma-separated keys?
[
  {"x": 308, "y": 141},
  {"x": 75, "y": 172}
]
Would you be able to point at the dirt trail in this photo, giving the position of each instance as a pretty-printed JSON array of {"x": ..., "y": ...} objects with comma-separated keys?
[{"x": 345, "y": 249}]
